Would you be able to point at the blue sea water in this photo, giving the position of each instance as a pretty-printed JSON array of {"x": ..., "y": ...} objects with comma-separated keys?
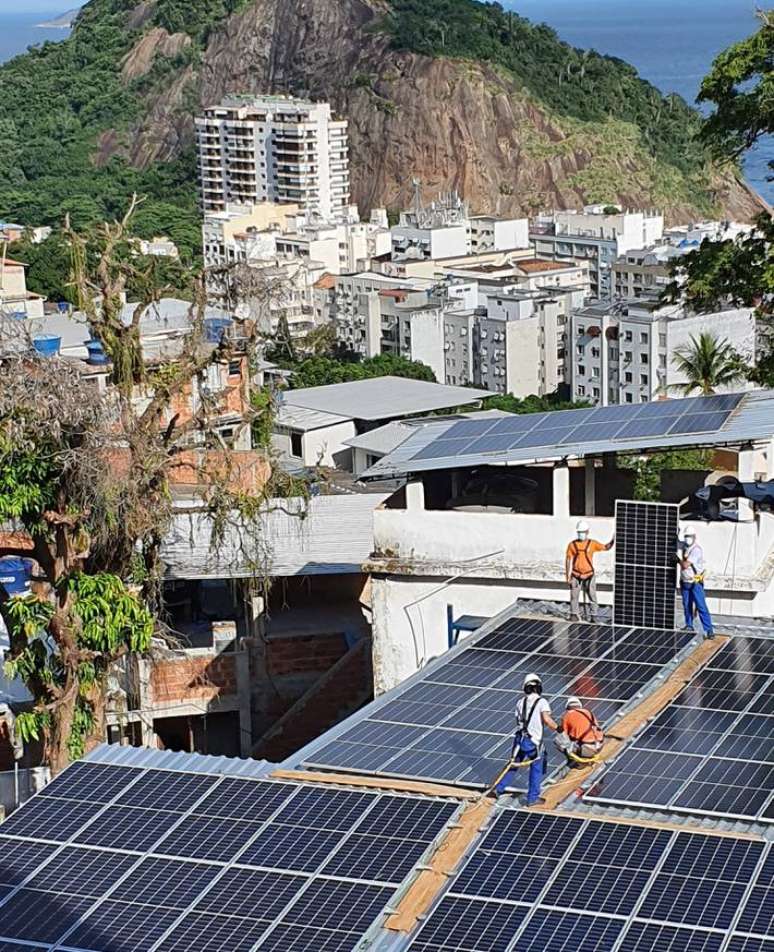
[
  {"x": 672, "y": 43},
  {"x": 19, "y": 25}
]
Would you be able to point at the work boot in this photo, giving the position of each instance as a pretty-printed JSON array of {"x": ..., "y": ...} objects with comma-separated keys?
[
  {"x": 689, "y": 628},
  {"x": 535, "y": 803},
  {"x": 709, "y": 635}
]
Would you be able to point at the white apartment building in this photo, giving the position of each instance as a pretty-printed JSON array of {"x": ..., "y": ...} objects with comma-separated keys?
[
  {"x": 520, "y": 341},
  {"x": 273, "y": 148},
  {"x": 643, "y": 272},
  {"x": 599, "y": 234},
  {"x": 445, "y": 229},
  {"x": 623, "y": 352}
]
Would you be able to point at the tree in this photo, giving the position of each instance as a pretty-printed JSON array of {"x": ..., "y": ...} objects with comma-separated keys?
[
  {"x": 508, "y": 403},
  {"x": 320, "y": 371},
  {"x": 85, "y": 485},
  {"x": 707, "y": 363},
  {"x": 738, "y": 272}
]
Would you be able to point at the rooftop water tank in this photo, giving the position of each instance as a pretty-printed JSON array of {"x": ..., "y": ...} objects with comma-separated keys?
[
  {"x": 97, "y": 355},
  {"x": 47, "y": 345},
  {"x": 215, "y": 328}
]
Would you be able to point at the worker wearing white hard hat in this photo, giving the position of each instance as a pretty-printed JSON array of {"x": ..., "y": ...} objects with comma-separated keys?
[
  {"x": 579, "y": 569},
  {"x": 533, "y": 713},
  {"x": 692, "y": 568},
  {"x": 580, "y": 735}
]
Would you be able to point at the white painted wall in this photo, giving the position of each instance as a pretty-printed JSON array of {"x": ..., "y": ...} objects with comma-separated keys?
[{"x": 426, "y": 548}]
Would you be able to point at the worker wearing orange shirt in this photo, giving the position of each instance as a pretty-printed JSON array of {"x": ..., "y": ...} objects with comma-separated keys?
[
  {"x": 579, "y": 731},
  {"x": 579, "y": 569}
]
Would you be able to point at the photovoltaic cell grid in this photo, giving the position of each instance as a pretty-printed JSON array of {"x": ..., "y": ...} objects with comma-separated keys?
[
  {"x": 204, "y": 863},
  {"x": 456, "y": 723},
  {"x": 711, "y": 751},
  {"x": 645, "y": 564},
  {"x": 559, "y": 884},
  {"x": 573, "y": 427}
]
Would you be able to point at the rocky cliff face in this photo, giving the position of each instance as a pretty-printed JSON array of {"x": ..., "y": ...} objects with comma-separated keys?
[{"x": 450, "y": 123}]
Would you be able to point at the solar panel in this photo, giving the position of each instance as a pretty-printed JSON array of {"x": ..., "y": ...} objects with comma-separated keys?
[
  {"x": 557, "y": 884},
  {"x": 454, "y": 722},
  {"x": 339, "y": 856},
  {"x": 645, "y": 564}
]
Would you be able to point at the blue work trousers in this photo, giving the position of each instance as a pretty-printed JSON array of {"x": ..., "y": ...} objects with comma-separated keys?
[
  {"x": 693, "y": 595},
  {"x": 524, "y": 749}
]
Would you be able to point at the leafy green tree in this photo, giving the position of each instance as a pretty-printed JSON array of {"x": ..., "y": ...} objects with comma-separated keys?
[
  {"x": 48, "y": 271},
  {"x": 707, "y": 363},
  {"x": 648, "y": 469},
  {"x": 738, "y": 272},
  {"x": 320, "y": 371},
  {"x": 532, "y": 404},
  {"x": 85, "y": 485}
]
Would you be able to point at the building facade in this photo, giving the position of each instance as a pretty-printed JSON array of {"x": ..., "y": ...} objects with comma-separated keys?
[{"x": 273, "y": 148}]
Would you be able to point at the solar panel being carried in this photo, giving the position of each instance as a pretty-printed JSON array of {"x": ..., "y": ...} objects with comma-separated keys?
[
  {"x": 111, "y": 858},
  {"x": 453, "y": 721},
  {"x": 711, "y": 751},
  {"x": 645, "y": 563},
  {"x": 559, "y": 884}
]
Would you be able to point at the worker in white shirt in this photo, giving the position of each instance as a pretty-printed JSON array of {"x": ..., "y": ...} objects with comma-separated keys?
[
  {"x": 691, "y": 558},
  {"x": 533, "y": 712}
]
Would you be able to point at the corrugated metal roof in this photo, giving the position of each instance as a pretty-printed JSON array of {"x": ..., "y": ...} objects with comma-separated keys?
[
  {"x": 144, "y": 757},
  {"x": 330, "y": 535},
  {"x": 753, "y": 419},
  {"x": 381, "y": 398},
  {"x": 301, "y": 418},
  {"x": 383, "y": 439}
]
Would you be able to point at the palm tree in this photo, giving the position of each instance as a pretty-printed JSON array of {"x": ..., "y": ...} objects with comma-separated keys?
[{"x": 707, "y": 363}]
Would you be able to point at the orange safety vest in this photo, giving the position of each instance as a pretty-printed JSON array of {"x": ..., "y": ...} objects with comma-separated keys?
[
  {"x": 582, "y": 555},
  {"x": 581, "y": 726}
]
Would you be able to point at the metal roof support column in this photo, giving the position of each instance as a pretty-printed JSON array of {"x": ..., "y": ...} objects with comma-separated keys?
[{"x": 415, "y": 495}]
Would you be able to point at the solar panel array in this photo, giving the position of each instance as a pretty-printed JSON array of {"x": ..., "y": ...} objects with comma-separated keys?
[
  {"x": 455, "y": 722},
  {"x": 559, "y": 884},
  {"x": 711, "y": 751},
  {"x": 122, "y": 859},
  {"x": 645, "y": 564},
  {"x": 523, "y": 433}
]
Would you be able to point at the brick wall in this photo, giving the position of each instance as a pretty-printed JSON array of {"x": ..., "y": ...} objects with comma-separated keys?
[{"x": 180, "y": 679}]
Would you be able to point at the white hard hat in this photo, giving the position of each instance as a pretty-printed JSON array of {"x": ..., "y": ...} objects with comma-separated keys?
[
  {"x": 689, "y": 533},
  {"x": 574, "y": 702},
  {"x": 532, "y": 679},
  {"x": 582, "y": 526}
]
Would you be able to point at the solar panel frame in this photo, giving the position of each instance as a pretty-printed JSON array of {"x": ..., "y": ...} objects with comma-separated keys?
[{"x": 645, "y": 564}]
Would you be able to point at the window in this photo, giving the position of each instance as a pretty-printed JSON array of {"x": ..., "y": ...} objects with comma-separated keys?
[
  {"x": 643, "y": 358},
  {"x": 595, "y": 351},
  {"x": 581, "y": 391},
  {"x": 662, "y": 340},
  {"x": 628, "y": 398},
  {"x": 644, "y": 380},
  {"x": 235, "y": 368},
  {"x": 596, "y": 391},
  {"x": 628, "y": 356},
  {"x": 644, "y": 337},
  {"x": 296, "y": 445},
  {"x": 595, "y": 371},
  {"x": 628, "y": 377},
  {"x": 627, "y": 335},
  {"x": 581, "y": 330},
  {"x": 581, "y": 370}
]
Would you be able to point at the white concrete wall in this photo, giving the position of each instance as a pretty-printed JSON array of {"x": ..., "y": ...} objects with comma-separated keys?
[
  {"x": 427, "y": 340},
  {"x": 320, "y": 446},
  {"x": 427, "y": 548},
  {"x": 737, "y": 326}
]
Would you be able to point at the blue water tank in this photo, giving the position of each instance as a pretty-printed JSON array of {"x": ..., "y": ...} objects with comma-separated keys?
[
  {"x": 47, "y": 345},
  {"x": 97, "y": 355},
  {"x": 215, "y": 328},
  {"x": 63, "y": 307},
  {"x": 15, "y": 574}
]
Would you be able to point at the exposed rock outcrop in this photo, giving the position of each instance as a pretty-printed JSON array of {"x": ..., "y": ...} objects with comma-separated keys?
[{"x": 452, "y": 123}]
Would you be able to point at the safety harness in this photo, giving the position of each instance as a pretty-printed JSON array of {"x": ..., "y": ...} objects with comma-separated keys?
[
  {"x": 576, "y": 551},
  {"x": 526, "y": 720},
  {"x": 578, "y": 758}
]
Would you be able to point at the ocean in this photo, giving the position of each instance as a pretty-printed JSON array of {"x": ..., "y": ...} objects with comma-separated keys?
[
  {"x": 19, "y": 28},
  {"x": 671, "y": 42}
]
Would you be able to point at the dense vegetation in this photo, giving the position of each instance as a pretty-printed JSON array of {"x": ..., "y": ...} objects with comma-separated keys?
[
  {"x": 580, "y": 84},
  {"x": 56, "y": 100},
  {"x": 320, "y": 371}
]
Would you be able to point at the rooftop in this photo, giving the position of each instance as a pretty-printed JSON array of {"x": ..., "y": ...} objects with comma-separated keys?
[
  {"x": 723, "y": 420},
  {"x": 380, "y": 398}
]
